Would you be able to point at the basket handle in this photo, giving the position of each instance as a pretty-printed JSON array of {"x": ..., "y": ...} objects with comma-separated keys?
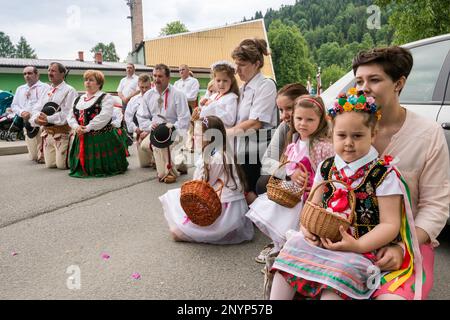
[
  {"x": 302, "y": 167},
  {"x": 351, "y": 192}
]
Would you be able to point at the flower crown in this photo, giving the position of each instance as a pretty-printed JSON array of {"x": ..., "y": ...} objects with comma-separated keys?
[
  {"x": 223, "y": 63},
  {"x": 354, "y": 100}
]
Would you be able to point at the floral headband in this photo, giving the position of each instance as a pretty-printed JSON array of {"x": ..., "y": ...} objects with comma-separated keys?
[
  {"x": 354, "y": 100},
  {"x": 223, "y": 63}
]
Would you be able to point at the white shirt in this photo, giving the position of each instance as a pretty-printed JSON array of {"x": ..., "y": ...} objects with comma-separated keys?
[
  {"x": 389, "y": 186},
  {"x": 217, "y": 171},
  {"x": 224, "y": 107},
  {"x": 189, "y": 86},
  {"x": 174, "y": 109},
  {"x": 128, "y": 85},
  {"x": 257, "y": 101},
  {"x": 133, "y": 106},
  {"x": 99, "y": 121},
  {"x": 26, "y": 97},
  {"x": 64, "y": 95},
  {"x": 117, "y": 117}
]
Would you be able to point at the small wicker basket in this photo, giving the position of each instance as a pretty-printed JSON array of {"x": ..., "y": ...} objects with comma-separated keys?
[
  {"x": 286, "y": 193},
  {"x": 323, "y": 223},
  {"x": 200, "y": 202}
]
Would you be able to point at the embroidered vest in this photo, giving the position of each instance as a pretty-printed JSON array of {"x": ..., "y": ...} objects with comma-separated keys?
[
  {"x": 367, "y": 214},
  {"x": 91, "y": 112}
]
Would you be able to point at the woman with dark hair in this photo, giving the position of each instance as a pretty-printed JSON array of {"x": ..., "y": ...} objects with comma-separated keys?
[
  {"x": 256, "y": 111},
  {"x": 421, "y": 149}
]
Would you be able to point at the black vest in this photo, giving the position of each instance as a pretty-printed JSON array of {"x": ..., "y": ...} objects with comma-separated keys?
[
  {"x": 91, "y": 112},
  {"x": 367, "y": 214}
]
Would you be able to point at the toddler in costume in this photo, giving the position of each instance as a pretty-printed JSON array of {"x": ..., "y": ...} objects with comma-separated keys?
[
  {"x": 231, "y": 226},
  {"x": 310, "y": 144},
  {"x": 316, "y": 267}
]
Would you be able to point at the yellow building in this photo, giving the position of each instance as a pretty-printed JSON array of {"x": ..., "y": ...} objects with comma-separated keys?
[{"x": 200, "y": 49}]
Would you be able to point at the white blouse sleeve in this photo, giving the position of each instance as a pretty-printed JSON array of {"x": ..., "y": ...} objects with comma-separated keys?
[
  {"x": 264, "y": 102},
  {"x": 389, "y": 186},
  {"x": 71, "y": 121}
]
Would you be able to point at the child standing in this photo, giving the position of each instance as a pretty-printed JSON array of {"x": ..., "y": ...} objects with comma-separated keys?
[
  {"x": 231, "y": 226},
  {"x": 223, "y": 103},
  {"x": 310, "y": 144},
  {"x": 320, "y": 268}
]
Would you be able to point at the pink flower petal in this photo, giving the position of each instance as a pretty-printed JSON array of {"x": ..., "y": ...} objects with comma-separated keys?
[
  {"x": 105, "y": 256},
  {"x": 14, "y": 253},
  {"x": 136, "y": 276}
]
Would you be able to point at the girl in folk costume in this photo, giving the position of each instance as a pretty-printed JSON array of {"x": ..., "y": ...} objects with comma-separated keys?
[
  {"x": 345, "y": 269},
  {"x": 223, "y": 103},
  {"x": 231, "y": 226},
  {"x": 97, "y": 149},
  {"x": 309, "y": 145}
]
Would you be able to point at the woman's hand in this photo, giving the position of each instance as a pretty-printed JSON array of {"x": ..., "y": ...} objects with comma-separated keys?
[
  {"x": 348, "y": 243},
  {"x": 80, "y": 130},
  {"x": 389, "y": 258},
  {"x": 309, "y": 237}
]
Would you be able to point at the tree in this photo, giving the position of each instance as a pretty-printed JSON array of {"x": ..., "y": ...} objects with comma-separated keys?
[
  {"x": 24, "y": 50},
  {"x": 290, "y": 54},
  {"x": 173, "y": 28},
  {"x": 331, "y": 74},
  {"x": 108, "y": 50},
  {"x": 417, "y": 19},
  {"x": 7, "y": 49}
]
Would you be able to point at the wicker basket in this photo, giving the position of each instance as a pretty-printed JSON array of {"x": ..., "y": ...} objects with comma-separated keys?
[
  {"x": 286, "y": 193},
  {"x": 323, "y": 223},
  {"x": 200, "y": 202}
]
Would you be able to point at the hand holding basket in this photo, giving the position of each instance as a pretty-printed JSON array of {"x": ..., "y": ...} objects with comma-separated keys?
[
  {"x": 323, "y": 223},
  {"x": 286, "y": 193}
]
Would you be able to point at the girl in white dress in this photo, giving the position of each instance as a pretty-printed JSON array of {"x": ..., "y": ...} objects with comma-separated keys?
[
  {"x": 223, "y": 103},
  {"x": 310, "y": 144},
  {"x": 231, "y": 226}
]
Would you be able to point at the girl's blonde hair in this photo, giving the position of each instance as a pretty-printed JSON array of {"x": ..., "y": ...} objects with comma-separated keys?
[
  {"x": 213, "y": 122},
  {"x": 323, "y": 130}
]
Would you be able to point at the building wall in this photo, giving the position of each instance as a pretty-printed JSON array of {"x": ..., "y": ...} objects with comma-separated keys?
[
  {"x": 201, "y": 49},
  {"x": 10, "y": 82}
]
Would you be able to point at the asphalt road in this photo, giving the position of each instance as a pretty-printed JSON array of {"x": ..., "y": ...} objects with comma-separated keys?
[{"x": 67, "y": 238}]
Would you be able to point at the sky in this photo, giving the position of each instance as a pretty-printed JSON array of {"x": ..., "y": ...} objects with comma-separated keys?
[{"x": 58, "y": 29}]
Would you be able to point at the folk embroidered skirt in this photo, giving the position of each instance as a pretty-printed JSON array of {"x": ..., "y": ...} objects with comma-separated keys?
[{"x": 98, "y": 154}]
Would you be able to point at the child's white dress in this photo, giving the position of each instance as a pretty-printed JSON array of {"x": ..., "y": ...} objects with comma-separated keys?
[
  {"x": 273, "y": 219},
  {"x": 230, "y": 227},
  {"x": 224, "y": 107}
]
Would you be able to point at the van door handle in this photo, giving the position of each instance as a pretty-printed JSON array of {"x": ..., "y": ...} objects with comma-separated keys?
[{"x": 445, "y": 125}]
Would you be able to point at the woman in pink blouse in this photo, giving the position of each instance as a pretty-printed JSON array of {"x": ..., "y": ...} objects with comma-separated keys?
[{"x": 420, "y": 148}]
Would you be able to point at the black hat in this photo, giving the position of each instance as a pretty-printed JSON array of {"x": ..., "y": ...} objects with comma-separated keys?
[
  {"x": 50, "y": 108},
  {"x": 161, "y": 136},
  {"x": 31, "y": 131}
]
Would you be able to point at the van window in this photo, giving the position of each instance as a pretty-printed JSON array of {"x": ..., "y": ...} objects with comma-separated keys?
[{"x": 428, "y": 62}]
